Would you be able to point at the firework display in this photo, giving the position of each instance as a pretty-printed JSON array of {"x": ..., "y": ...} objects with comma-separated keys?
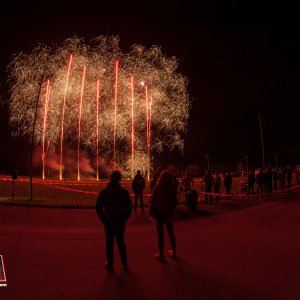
[{"x": 120, "y": 107}]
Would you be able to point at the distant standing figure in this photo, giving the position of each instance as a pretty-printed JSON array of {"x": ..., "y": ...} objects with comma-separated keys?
[
  {"x": 114, "y": 208},
  {"x": 187, "y": 183},
  {"x": 208, "y": 185},
  {"x": 251, "y": 182},
  {"x": 228, "y": 183},
  {"x": 260, "y": 180},
  {"x": 275, "y": 179},
  {"x": 177, "y": 184},
  {"x": 289, "y": 176},
  {"x": 217, "y": 185},
  {"x": 154, "y": 179},
  {"x": 138, "y": 185},
  {"x": 163, "y": 203},
  {"x": 298, "y": 175},
  {"x": 268, "y": 182},
  {"x": 282, "y": 177}
]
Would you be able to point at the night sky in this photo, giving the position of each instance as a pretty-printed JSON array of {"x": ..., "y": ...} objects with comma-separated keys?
[{"x": 240, "y": 59}]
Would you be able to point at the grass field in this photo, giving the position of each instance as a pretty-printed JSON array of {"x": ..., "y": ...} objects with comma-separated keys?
[{"x": 56, "y": 193}]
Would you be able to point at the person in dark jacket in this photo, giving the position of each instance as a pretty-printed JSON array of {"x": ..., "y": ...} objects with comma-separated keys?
[
  {"x": 163, "y": 203},
  {"x": 275, "y": 178},
  {"x": 228, "y": 183},
  {"x": 114, "y": 208},
  {"x": 209, "y": 181},
  {"x": 154, "y": 179},
  {"x": 260, "y": 180},
  {"x": 187, "y": 184},
  {"x": 269, "y": 182},
  {"x": 251, "y": 182},
  {"x": 282, "y": 174},
  {"x": 138, "y": 185},
  {"x": 217, "y": 185},
  {"x": 289, "y": 173}
]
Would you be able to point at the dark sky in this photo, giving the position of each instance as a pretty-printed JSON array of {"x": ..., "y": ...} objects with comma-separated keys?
[{"x": 240, "y": 59}]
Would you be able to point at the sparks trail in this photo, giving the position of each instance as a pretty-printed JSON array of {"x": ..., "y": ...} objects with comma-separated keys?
[{"x": 144, "y": 102}]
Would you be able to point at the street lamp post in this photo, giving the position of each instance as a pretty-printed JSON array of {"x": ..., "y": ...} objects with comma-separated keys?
[
  {"x": 32, "y": 137},
  {"x": 208, "y": 162}
]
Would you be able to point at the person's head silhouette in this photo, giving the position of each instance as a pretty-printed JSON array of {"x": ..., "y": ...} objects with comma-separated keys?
[{"x": 115, "y": 176}]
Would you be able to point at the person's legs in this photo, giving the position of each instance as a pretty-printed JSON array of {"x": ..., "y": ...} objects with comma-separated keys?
[
  {"x": 259, "y": 191},
  {"x": 186, "y": 197},
  {"x": 120, "y": 231},
  {"x": 170, "y": 230},
  {"x": 227, "y": 191},
  {"x": 135, "y": 201},
  {"x": 217, "y": 191},
  {"x": 206, "y": 195},
  {"x": 210, "y": 196},
  {"x": 160, "y": 238},
  {"x": 109, "y": 236},
  {"x": 142, "y": 202}
]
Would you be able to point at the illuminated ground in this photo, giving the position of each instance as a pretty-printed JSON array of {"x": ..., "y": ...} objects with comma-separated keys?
[
  {"x": 60, "y": 193},
  {"x": 53, "y": 193},
  {"x": 235, "y": 250}
]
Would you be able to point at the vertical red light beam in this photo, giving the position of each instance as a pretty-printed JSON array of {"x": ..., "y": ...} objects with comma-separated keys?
[
  {"x": 63, "y": 117},
  {"x": 149, "y": 137},
  {"x": 116, "y": 103},
  {"x": 79, "y": 121},
  {"x": 47, "y": 96},
  {"x": 132, "y": 125},
  {"x": 97, "y": 127},
  {"x": 147, "y": 127}
]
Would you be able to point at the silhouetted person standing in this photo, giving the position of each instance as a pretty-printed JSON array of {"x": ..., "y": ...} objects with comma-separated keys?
[
  {"x": 154, "y": 179},
  {"x": 163, "y": 203},
  {"x": 114, "y": 207},
  {"x": 187, "y": 183},
  {"x": 251, "y": 182},
  {"x": 275, "y": 179},
  {"x": 176, "y": 183},
  {"x": 208, "y": 185},
  {"x": 268, "y": 182},
  {"x": 282, "y": 177},
  {"x": 228, "y": 183},
  {"x": 289, "y": 175},
  {"x": 138, "y": 185},
  {"x": 217, "y": 185},
  {"x": 260, "y": 180},
  {"x": 298, "y": 175}
]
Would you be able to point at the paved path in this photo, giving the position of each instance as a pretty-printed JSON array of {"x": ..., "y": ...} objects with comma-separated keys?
[{"x": 235, "y": 250}]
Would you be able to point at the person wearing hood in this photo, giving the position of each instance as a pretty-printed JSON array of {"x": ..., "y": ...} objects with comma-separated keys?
[{"x": 114, "y": 208}]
